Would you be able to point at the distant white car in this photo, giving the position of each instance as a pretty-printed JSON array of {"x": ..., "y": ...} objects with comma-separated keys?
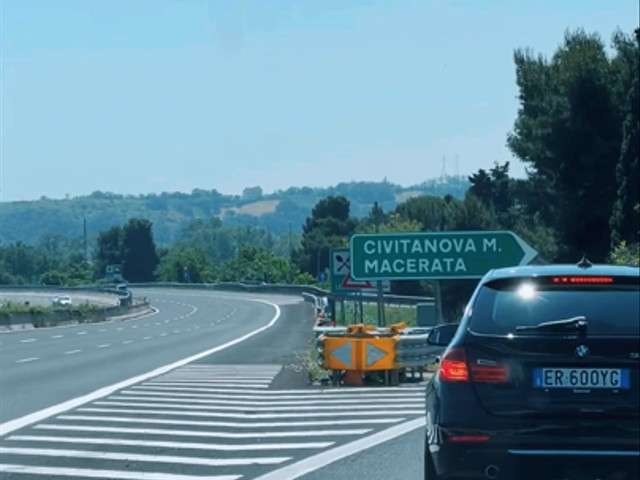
[{"x": 62, "y": 301}]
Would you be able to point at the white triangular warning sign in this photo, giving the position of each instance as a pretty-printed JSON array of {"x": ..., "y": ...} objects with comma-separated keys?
[{"x": 349, "y": 282}]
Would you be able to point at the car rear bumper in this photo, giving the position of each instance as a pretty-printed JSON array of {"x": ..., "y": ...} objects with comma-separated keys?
[{"x": 502, "y": 462}]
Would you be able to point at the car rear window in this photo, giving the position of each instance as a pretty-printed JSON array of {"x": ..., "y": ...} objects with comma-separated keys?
[{"x": 610, "y": 308}]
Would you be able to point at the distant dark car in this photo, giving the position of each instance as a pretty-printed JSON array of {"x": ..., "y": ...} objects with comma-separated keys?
[{"x": 541, "y": 378}]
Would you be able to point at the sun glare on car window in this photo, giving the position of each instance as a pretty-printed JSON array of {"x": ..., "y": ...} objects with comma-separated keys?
[{"x": 527, "y": 291}]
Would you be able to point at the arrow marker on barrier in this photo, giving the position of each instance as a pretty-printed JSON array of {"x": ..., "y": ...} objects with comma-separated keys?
[
  {"x": 374, "y": 354},
  {"x": 343, "y": 354}
]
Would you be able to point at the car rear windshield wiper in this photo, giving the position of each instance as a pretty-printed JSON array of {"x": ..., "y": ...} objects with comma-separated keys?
[{"x": 567, "y": 324}]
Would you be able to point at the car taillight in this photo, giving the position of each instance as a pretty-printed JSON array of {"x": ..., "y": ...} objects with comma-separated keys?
[
  {"x": 489, "y": 373},
  {"x": 467, "y": 438},
  {"x": 453, "y": 366}
]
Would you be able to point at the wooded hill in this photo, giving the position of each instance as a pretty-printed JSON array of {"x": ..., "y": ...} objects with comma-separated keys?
[{"x": 170, "y": 213}]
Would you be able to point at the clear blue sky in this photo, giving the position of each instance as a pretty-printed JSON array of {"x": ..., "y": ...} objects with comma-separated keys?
[{"x": 139, "y": 96}]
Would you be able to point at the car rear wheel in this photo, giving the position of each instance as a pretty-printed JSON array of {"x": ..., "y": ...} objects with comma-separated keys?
[{"x": 429, "y": 468}]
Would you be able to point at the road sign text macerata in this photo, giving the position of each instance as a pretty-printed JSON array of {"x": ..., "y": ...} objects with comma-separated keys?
[
  {"x": 435, "y": 255},
  {"x": 423, "y": 246}
]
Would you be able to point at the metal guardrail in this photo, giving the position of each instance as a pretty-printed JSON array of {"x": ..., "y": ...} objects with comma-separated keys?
[{"x": 239, "y": 287}]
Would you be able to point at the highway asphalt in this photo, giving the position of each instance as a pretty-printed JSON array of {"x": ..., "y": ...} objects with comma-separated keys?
[{"x": 236, "y": 411}]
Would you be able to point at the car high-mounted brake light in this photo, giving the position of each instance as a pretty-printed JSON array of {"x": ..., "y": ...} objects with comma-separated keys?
[{"x": 573, "y": 280}]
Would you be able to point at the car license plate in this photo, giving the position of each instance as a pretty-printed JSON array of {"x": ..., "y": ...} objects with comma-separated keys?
[{"x": 581, "y": 378}]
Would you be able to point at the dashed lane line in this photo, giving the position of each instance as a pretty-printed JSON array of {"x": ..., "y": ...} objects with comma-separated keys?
[
  {"x": 28, "y": 340},
  {"x": 72, "y": 352},
  {"x": 104, "y": 345},
  {"x": 27, "y": 360}
]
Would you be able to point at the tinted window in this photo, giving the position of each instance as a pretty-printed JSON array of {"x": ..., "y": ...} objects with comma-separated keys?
[{"x": 609, "y": 309}]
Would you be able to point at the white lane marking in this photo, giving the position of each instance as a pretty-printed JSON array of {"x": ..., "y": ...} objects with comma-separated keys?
[
  {"x": 201, "y": 423},
  {"x": 212, "y": 382},
  {"x": 258, "y": 403},
  {"x": 119, "y": 328},
  {"x": 255, "y": 416},
  {"x": 177, "y": 331},
  {"x": 84, "y": 332},
  {"x": 11, "y": 425},
  {"x": 198, "y": 405},
  {"x": 264, "y": 397},
  {"x": 134, "y": 326},
  {"x": 327, "y": 394},
  {"x": 309, "y": 464},
  {"x": 140, "y": 457},
  {"x": 164, "y": 334},
  {"x": 102, "y": 330},
  {"x": 28, "y": 340},
  {"x": 216, "y": 376},
  {"x": 227, "y": 370},
  {"x": 146, "y": 325},
  {"x": 162, "y": 444},
  {"x": 57, "y": 336},
  {"x": 104, "y": 474},
  {"x": 26, "y": 360},
  {"x": 146, "y": 338},
  {"x": 72, "y": 352},
  {"x": 157, "y": 323},
  {"x": 200, "y": 433},
  {"x": 127, "y": 342},
  {"x": 104, "y": 345}
]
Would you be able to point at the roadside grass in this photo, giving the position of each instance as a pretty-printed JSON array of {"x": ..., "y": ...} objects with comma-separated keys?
[
  {"x": 10, "y": 307},
  {"x": 393, "y": 314},
  {"x": 316, "y": 373},
  {"x": 43, "y": 315}
]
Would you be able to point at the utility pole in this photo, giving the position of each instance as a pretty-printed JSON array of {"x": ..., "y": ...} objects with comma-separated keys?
[
  {"x": 86, "y": 243},
  {"x": 290, "y": 254},
  {"x": 377, "y": 218}
]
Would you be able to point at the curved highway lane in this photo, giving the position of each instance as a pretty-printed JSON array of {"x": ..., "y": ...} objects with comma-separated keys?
[{"x": 43, "y": 367}]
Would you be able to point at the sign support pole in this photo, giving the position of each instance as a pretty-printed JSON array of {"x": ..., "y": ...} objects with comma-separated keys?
[
  {"x": 361, "y": 306},
  {"x": 381, "y": 319},
  {"x": 438, "y": 295}
]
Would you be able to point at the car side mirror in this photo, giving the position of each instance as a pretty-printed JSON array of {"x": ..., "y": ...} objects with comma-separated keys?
[{"x": 442, "y": 334}]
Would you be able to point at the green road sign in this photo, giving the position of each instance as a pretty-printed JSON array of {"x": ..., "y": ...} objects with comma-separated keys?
[
  {"x": 341, "y": 280},
  {"x": 437, "y": 256}
]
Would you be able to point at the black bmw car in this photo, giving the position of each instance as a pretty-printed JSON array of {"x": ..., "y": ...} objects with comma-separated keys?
[{"x": 540, "y": 379}]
